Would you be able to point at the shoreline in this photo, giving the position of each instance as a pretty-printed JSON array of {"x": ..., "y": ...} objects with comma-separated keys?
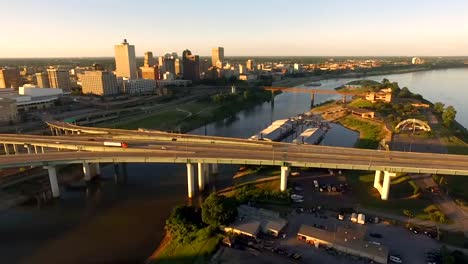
[
  {"x": 302, "y": 80},
  {"x": 166, "y": 239}
]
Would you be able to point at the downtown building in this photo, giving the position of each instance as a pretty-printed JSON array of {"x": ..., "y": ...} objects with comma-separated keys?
[
  {"x": 59, "y": 78},
  {"x": 217, "y": 57},
  {"x": 125, "y": 61},
  {"x": 139, "y": 86},
  {"x": 42, "y": 80},
  {"x": 102, "y": 83},
  {"x": 10, "y": 78},
  {"x": 191, "y": 64},
  {"x": 149, "y": 70}
]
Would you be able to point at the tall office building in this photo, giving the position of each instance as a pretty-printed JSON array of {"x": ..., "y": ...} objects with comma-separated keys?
[
  {"x": 179, "y": 67},
  {"x": 125, "y": 61},
  {"x": 250, "y": 65},
  {"x": 191, "y": 66},
  {"x": 149, "y": 72},
  {"x": 149, "y": 60},
  {"x": 217, "y": 55},
  {"x": 59, "y": 78},
  {"x": 99, "y": 83},
  {"x": 42, "y": 80},
  {"x": 10, "y": 78}
]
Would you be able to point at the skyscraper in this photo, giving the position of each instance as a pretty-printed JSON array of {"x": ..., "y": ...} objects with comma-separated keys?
[
  {"x": 42, "y": 79},
  {"x": 59, "y": 78},
  {"x": 10, "y": 78},
  {"x": 149, "y": 72},
  {"x": 191, "y": 66},
  {"x": 99, "y": 83},
  {"x": 217, "y": 54},
  {"x": 250, "y": 65},
  {"x": 149, "y": 60},
  {"x": 125, "y": 62}
]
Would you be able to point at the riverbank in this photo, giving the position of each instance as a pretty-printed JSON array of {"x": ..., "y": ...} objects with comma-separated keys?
[
  {"x": 291, "y": 82},
  {"x": 184, "y": 118}
]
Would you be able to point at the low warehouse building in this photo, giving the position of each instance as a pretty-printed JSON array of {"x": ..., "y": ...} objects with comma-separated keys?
[
  {"x": 251, "y": 221},
  {"x": 347, "y": 242}
]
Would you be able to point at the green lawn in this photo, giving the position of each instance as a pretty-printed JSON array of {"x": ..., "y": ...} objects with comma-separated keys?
[
  {"x": 361, "y": 103},
  {"x": 196, "y": 252},
  {"x": 370, "y": 133},
  {"x": 166, "y": 120},
  {"x": 401, "y": 194}
]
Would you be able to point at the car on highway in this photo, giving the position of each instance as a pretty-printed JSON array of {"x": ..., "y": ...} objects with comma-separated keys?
[{"x": 163, "y": 148}]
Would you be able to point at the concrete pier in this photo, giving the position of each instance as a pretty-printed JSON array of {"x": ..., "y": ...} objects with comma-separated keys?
[
  {"x": 190, "y": 180},
  {"x": 5, "y": 147},
  {"x": 201, "y": 176},
  {"x": 383, "y": 188},
  {"x": 53, "y": 181},
  {"x": 87, "y": 171},
  {"x": 284, "y": 178}
]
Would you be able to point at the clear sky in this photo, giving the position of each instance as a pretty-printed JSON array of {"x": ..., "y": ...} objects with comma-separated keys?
[{"x": 87, "y": 28}]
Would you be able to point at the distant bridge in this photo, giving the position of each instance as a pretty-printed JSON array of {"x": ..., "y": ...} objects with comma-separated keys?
[{"x": 313, "y": 92}]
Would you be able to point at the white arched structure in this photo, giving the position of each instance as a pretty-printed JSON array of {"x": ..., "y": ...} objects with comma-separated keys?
[{"x": 410, "y": 124}]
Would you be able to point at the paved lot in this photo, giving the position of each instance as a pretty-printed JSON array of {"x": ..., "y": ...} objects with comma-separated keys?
[{"x": 400, "y": 241}]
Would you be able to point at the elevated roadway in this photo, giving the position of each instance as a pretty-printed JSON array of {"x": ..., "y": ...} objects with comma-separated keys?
[{"x": 85, "y": 145}]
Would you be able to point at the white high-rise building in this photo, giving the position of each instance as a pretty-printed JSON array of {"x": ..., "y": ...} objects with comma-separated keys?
[{"x": 125, "y": 62}]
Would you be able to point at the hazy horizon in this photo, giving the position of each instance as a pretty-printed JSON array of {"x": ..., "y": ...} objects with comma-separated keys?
[{"x": 365, "y": 28}]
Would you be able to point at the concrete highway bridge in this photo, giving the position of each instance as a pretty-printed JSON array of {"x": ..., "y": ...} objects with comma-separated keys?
[
  {"x": 313, "y": 92},
  {"x": 85, "y": 145}
]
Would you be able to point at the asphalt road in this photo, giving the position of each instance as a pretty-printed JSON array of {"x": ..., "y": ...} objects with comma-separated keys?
[{"x": 225, "y": 150}]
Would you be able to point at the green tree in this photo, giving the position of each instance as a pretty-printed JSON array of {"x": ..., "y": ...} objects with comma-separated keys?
[
  {"x": 439, "y": 107},
  {"x": 404, "y": 93},
  {"x": 183, "y": 223},
  {"x": 448, "y": 116},
  {"x": 218, "y": 210}
]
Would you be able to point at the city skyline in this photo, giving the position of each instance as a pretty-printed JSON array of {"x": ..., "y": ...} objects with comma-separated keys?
[{"x": 260, "y": 28}]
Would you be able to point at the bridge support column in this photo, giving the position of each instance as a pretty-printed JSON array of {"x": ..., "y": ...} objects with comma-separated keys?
[
  {"x": 7, "y": 150},
  {"x": 15, "y": 148},
  {"x": 87, "y": 171},
  {"x": 96, "y": 169},
  {"x": 116, "y": 172},
  {"x": 35, "y": 149},
  {"x": 28, "y": 148},
  {"x": 190, "y": 180},
  {"x": 377, "y": 180},
  {"x": 52, "y": 131},
  {"x": 201, "y": 176},
  {"x": 383, "y": 188},
  {"x": 312, "y": 100},
  {"x": 53, "y": 181},
  {"x": 284, "y": 178},
  {"x": 214, "y": 168},
  {"x": 42, "y": 149}
]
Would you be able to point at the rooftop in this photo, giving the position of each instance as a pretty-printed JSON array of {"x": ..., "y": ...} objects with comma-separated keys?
[{"x": 349, "y": 239}]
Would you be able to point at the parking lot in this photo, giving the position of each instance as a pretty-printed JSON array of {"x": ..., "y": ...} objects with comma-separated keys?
[{"x": 400, "y": 241}]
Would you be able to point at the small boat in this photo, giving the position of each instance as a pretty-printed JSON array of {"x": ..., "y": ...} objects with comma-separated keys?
[{"x": 298, "y": 201}]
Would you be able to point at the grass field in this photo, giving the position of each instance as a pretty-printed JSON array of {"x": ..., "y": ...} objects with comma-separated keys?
[
  {"x": 196, "y": 252},
  {"x": 401, "y": 194},
  {"x": 370, "y": 133}
]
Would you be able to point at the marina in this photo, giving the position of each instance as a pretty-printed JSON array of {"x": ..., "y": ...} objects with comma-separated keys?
[{"x": 302, "y": 129}]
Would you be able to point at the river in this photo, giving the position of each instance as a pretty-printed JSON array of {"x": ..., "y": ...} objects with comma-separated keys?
[{"x": 123, "y": 222}]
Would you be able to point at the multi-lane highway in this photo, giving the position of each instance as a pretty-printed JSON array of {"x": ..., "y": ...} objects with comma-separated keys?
[{"x": 177, "y": 148}]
